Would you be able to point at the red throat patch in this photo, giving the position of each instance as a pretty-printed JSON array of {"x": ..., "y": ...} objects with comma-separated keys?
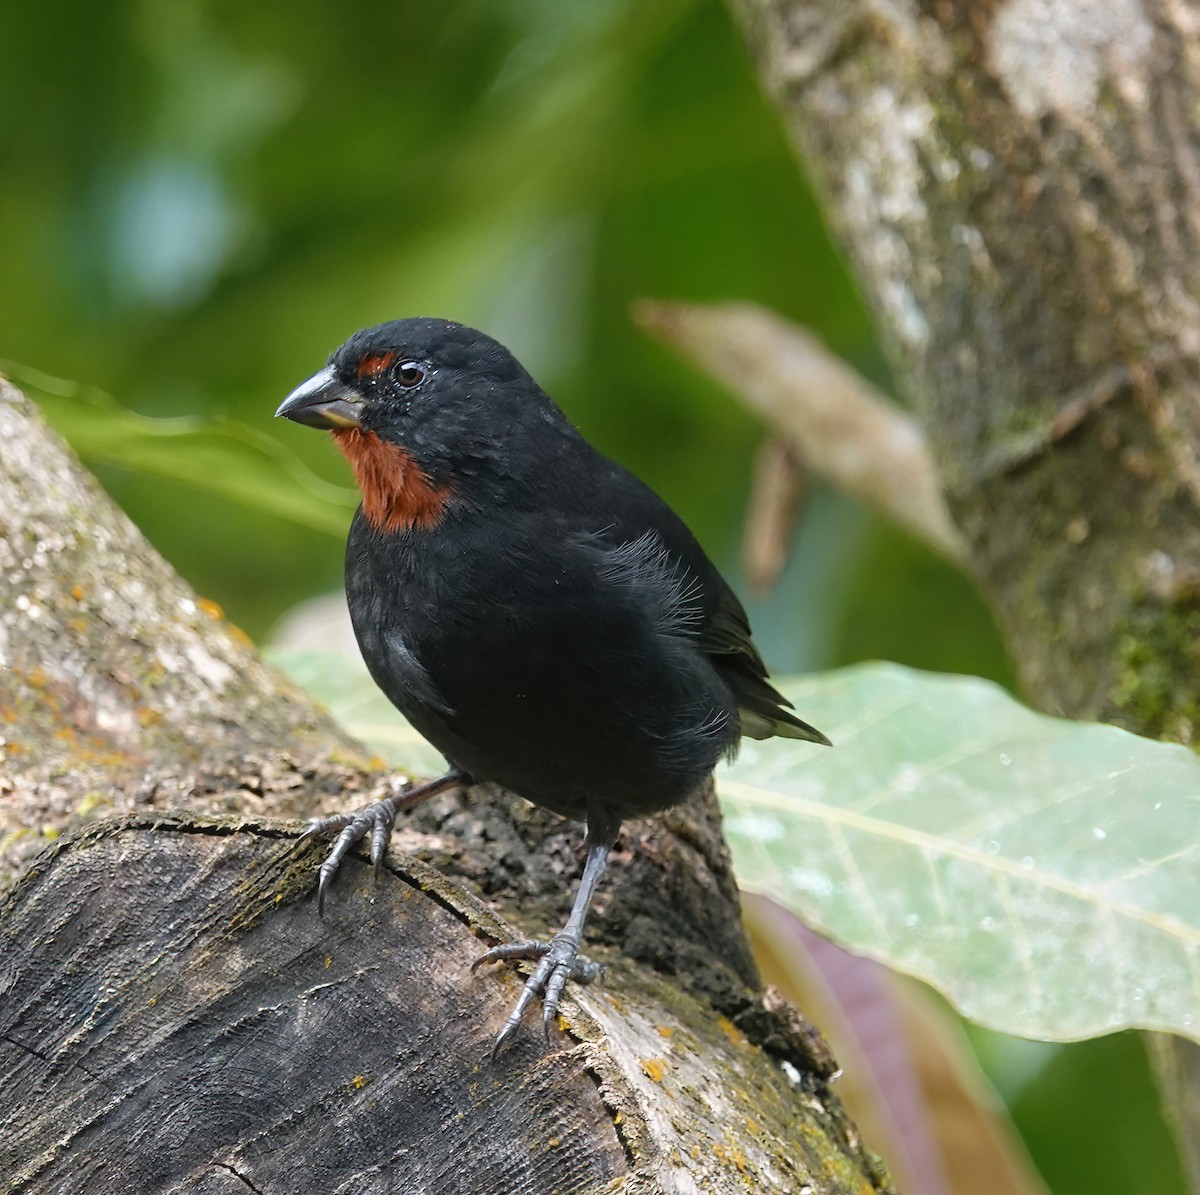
[{"x": 397, "y": 493}]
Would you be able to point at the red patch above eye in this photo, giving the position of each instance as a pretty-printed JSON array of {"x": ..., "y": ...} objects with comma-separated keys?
[{"x": 372, "y": 365}]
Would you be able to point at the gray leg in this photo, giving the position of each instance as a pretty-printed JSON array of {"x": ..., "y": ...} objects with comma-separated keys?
[
  {"x": 377, "y": 818},
  {"x": 559, "y": 958}
]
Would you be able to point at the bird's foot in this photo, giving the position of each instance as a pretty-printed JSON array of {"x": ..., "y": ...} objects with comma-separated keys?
[
  {"x": 558, "y": 960},
  {"x": 377, "y": 819}
]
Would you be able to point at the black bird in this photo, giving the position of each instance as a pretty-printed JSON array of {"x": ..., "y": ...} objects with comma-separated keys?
[{"x": 543, "y": 618}]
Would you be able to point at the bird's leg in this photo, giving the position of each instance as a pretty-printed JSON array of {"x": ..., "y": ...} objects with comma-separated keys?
[
  {"x": 377, "y": 818},
  {"x": 559, "y": 958}
]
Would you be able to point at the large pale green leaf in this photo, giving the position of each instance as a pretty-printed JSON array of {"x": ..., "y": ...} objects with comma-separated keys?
[
  {"x": 1043, "y": 874},
  {"x": 343, "y": 685}
]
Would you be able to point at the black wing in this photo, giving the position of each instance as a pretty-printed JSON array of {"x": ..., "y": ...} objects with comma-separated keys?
[{"x": 703, "y": 601}]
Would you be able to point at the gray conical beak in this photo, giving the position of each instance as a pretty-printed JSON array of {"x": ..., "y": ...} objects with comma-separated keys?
[{"x": 323, "y": 401}]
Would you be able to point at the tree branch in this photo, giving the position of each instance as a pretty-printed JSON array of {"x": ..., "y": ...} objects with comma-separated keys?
[
  {"x": 847, "y": 431},
  {"x": 1018, "y": 185},
  {"x": 977, "y": 162}
]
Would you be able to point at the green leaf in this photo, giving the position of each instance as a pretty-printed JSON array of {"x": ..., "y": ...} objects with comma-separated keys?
[
  {"x": 225, "y": 457},
  {"x": 344, "y": 686},
  {"x": 1041, "y": 873}
]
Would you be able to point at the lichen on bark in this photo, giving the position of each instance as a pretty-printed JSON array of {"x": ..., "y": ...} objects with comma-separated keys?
[
  {"x": 120, "y": 687},
  {"x": 1028, "y": 243}
]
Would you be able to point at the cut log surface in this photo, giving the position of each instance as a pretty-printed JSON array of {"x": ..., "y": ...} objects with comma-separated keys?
[
  {"x": 176, "y": 1017},
  {"x": 258, "y": 1047}
]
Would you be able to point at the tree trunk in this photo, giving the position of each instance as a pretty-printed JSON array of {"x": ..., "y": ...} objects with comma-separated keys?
[
  {"x": 1018, "y": 186},
  {"x": 175, "y": 1015}
]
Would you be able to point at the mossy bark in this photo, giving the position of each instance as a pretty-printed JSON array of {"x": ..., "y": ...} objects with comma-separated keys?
[
  {"x": 1018, "y": 187},
  {"x": 177, "y": 1017}
]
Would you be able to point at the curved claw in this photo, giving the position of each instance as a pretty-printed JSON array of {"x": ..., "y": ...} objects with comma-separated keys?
[{"x": 511, "y": 950}]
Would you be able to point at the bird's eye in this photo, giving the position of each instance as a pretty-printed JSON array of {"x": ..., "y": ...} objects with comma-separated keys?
[{"x": 409, "y": 373}]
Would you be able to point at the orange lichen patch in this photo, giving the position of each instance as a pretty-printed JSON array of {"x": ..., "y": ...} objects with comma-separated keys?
[
  {"x": 238, "y": 635},
  {"x": 210, "y": 608},
  {"x": 655, "y": 1068},
  {"x": 373, "y": 364},
  {"x": 665, "y": 1030},
  {"x": 732, "y": 1154},
  {"x": 77, "y": 592},
  {"x": 397, "y": 493},
  {"x": 731, "y": 1031}
]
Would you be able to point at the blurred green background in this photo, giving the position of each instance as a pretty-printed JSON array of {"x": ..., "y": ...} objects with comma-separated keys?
[{"x": 201, "y": 199}]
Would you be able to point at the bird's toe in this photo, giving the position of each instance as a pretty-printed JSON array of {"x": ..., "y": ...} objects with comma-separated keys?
[
  {"x": 375, "y": 819},
  {"x": 557, "y": 961},
  {"x": 527, "y": 951}
]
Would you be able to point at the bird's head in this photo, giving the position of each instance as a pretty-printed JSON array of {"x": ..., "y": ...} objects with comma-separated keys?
[{"x": 424, "y": 410}]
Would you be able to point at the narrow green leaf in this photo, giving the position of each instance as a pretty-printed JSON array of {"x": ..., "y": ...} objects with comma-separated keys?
[
  {"x": 222, "y": 456},
  {"x": 1041, "y": 873}
]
